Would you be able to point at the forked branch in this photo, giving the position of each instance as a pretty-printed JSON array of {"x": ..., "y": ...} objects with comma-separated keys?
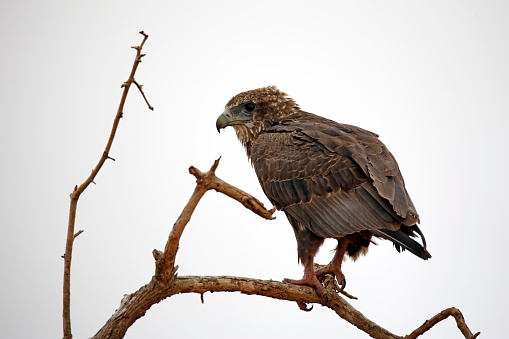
[
  {"x": 165, "y": 282},
  {"x": 204, "y": 182}
]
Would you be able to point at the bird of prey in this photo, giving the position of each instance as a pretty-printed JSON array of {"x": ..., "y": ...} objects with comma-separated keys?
[{"x": 331, "y": 180}]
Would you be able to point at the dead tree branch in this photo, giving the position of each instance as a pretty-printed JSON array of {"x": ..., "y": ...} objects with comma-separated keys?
[
  {"x": 452, "y": 311},
  {"x": 204, "y": 182},
  {"x": 140, "y": 88},
  {"x": 165, "y": 282},
  {"x": 75, "y": 195}
]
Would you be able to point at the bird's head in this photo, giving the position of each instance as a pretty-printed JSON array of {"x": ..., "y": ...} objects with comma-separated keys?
[{"x": 253, "y": 112}]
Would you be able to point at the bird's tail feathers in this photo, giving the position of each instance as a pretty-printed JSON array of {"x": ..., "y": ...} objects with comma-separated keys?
[{"x": 403, "y": 241}]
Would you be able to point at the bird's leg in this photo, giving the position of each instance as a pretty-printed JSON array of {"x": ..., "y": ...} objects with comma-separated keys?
[
  {"x": 309, "y": 279},
  {"x": 308, "y": 244},
  {"x": 334, "y": 267}
]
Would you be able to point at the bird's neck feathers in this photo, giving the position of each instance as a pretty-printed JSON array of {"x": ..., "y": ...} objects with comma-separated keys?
[{"x": 249, "y": 132}]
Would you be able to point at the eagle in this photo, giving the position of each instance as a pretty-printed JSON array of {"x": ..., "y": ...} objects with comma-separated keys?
[{"x": 331, "y": 180}]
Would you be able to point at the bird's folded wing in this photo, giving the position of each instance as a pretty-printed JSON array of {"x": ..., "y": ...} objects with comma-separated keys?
[{"x": 337, "y": 178}]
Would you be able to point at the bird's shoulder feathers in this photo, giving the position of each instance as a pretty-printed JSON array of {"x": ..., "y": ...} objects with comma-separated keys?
[{"x": 307, "y": 155}]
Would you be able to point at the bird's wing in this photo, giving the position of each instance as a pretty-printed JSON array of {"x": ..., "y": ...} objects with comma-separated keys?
[{"x": 335, "y": 179}]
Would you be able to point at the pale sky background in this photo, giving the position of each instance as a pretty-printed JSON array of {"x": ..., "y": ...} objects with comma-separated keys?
[{"x": 431, "y": 77}]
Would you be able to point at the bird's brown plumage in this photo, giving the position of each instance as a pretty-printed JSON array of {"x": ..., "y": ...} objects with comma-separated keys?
[{"x": 332, "y": 180}]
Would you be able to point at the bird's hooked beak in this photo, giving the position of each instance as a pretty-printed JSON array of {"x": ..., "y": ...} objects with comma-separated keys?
[
  {"x": 233, "y": 116},
  {"x": 223, "y": 120}
]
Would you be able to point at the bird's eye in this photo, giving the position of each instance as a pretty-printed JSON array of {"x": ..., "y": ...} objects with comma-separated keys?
[{"x": 250, "y": 107}]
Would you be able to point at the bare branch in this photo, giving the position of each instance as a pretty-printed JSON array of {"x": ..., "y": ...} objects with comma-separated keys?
[
  {"x": 210, "y": 180},
  {"x": 140, "y": 87},
  {"x": 164, "y": 266},
  {"x": 135, "y": 305},
  {"x": 165, "y": 283},
  {"x": 66, "y": 313},
  {"x": 204, "y": 182},
  {"x": 77, "y": 233},
  {"x": 452, "y": 311}
]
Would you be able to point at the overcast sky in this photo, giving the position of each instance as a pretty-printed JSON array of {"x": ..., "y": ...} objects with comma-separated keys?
[{"x": 430, "y": 77}]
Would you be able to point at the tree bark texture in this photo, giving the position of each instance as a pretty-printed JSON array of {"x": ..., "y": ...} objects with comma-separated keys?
[{"x": 165, "y": 282}]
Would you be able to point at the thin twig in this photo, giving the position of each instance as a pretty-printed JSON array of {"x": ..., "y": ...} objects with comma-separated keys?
[
  {"x": 66, "y": 313},
  {"x": 143, "y": 94},
  {"x": 78, "y": 233}
]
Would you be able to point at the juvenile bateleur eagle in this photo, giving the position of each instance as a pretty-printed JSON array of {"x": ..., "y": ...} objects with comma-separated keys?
[{"x": 331, "y": 180}]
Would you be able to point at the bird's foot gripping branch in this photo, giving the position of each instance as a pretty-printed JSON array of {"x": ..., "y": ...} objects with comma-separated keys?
[
  {"x": 332, "y": 180},
  {"x": 165, "y": 282}
]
